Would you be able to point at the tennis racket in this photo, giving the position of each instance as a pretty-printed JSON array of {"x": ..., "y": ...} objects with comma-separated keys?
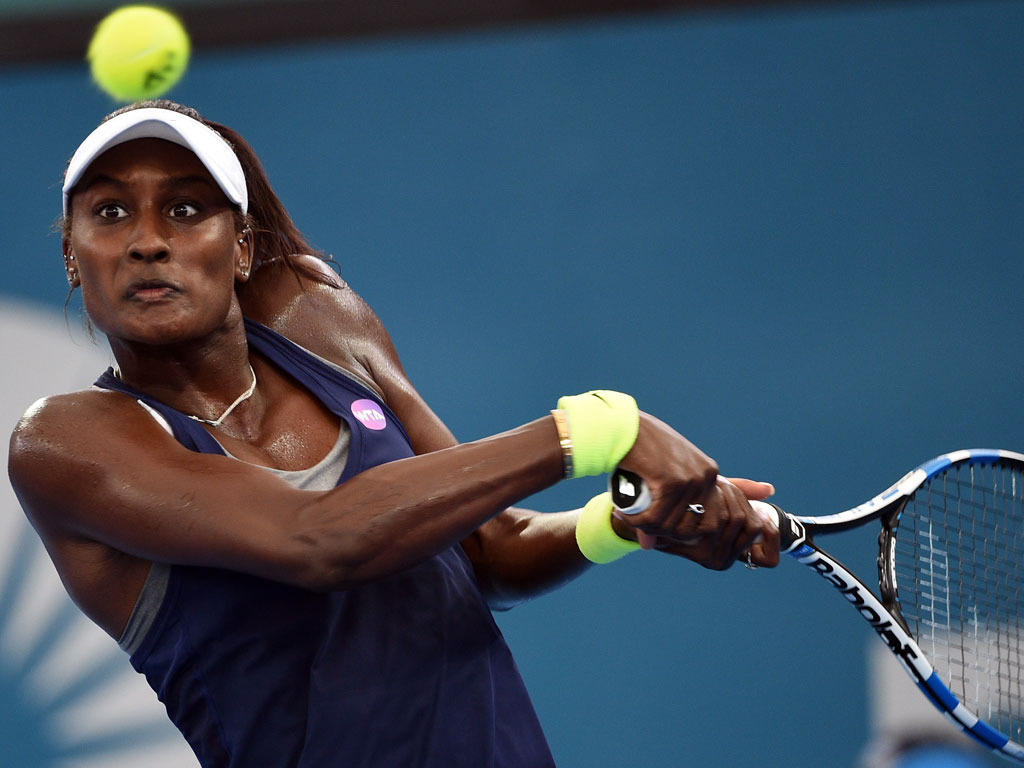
[{"x": 950, "y": 600}]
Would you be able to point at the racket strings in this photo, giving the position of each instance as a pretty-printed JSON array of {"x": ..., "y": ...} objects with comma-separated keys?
[{"x": 959, "y": 565}]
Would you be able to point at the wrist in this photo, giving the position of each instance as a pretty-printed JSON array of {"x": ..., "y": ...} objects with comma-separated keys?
[
  {"x": 596, "y": 537},
  {"x": 565, "y": 442},
  {"x": 622, "y": 530},
  {"x": 602, "y": 427}
]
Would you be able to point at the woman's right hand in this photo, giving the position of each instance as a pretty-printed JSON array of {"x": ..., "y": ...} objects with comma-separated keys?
[{"x": 679, "y": 475}]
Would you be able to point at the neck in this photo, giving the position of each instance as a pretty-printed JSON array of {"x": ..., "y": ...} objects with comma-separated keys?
[{"x": 200, "y": 377}]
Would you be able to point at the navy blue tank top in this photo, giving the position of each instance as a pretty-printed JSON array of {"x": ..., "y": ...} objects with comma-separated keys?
[{"x": 410, "y": 670}]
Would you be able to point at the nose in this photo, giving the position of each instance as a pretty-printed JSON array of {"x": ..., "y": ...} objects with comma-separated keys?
[{"x": 149, "y": 241}]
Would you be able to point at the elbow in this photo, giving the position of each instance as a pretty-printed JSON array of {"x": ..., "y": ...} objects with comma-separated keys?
[
  {"x": 498, "y": 598},
  {"x": 324, "y": 563},
  {"x": 319, "y": 577},
  {"x": 319, "y": 569},
  {"x": 321, "y": 555},
  {"x": 334, "y": 550},
  {"x": 502, "y": 603}
]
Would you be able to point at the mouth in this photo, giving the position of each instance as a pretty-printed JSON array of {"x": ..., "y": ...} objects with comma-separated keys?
[{"x": 150, "y": 290}]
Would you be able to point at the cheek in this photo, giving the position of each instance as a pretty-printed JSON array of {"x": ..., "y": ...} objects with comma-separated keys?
[
  {"x": 98, "y": 296},
  {"x": 93, "y": 278},
  {"x": 216, "y": 247},
  {"x": 91, "y": 251},
  {"x": 216, "y": 265}
]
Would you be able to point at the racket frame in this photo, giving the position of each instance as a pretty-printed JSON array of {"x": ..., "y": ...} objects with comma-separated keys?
[
  {"x": 891, "y": 629},
  {"x": 881, "y": 612}
]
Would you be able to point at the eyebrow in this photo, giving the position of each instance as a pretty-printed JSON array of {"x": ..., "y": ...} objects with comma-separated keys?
[
  {"x": 96, "y": 180},
  {"x": 173, "y": 183}
]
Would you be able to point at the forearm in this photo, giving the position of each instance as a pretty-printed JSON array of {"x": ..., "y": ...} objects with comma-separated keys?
[
  {"x": 520, "y": 554},
  {"x": 393, "y": 516}
]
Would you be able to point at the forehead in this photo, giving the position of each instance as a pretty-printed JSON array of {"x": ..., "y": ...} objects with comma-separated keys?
[{"x": 166, "y": 158}]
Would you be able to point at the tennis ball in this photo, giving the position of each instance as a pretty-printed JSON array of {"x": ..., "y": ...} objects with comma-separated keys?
[{"x": 138, "y": 52}]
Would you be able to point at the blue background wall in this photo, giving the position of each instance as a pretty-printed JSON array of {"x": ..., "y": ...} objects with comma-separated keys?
[{"x": 795, "y": 235}]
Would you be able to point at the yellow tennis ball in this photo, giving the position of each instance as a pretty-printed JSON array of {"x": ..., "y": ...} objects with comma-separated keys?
[{"x": 138, "y": 52}]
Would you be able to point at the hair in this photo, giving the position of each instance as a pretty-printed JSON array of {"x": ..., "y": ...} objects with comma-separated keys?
[{"x": 275, "y": 237}]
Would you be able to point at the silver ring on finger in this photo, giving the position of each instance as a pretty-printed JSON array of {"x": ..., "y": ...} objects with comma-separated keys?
[
  {"x": 749, "y": 565},
  {"x": 697, "y": 509}
]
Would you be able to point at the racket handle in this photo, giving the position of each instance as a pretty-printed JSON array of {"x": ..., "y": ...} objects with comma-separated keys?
[
  {"x": 631, "y": 496},
  {"x": 630, "y": 493}
]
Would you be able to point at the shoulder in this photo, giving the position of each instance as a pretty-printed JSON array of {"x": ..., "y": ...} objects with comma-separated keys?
[
  {"x": 88, "y": 403},
  {"x": 64, "y": 439},
  {"x": 50, "y": 417},
  {"x": 289, "y": 292},
  {"x": 333, "y": 321},
  {"x": 310, "y": 304},
  {"x": 76, "y": 419}
]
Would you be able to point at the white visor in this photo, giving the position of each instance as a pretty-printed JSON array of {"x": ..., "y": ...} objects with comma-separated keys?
[{"x": 155, "y": 123}]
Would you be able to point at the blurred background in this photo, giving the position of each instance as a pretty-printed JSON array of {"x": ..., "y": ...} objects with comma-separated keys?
[{"x": 792, "y": 230}]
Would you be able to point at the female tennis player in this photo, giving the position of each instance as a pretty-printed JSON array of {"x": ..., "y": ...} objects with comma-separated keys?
[{"x": 256, "y": 503}]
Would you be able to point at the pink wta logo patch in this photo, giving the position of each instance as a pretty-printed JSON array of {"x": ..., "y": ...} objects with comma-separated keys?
[{"x": 369, "y": 413}]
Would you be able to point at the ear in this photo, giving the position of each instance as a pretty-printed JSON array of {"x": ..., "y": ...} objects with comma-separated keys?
[
  {"x": 70, "y": 265},
  {"x": 243, "y": 251}
]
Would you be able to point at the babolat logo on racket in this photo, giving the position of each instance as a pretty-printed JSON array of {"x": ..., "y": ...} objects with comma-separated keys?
[{"x": 866, "y": 605}]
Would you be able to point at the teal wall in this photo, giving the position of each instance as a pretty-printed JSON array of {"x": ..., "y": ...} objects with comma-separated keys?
[{"x": 793, "y": 234}]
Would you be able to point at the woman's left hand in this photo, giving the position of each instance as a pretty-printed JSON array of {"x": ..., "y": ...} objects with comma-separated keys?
[{"x": 726, "y": 530}]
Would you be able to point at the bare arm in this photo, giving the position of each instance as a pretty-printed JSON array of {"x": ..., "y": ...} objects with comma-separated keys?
[
  {"x": 517, "y": 553},
  {"x": 95, "y": 466}
]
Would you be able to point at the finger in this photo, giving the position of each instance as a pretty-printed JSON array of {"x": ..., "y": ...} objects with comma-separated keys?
[
  {"x": 646, "y": 540},
  {"x": 765, "y": 550},
  {"x": 752, "y": 489},
  {"x": 731, "y": 520},
  {"x": 764, "y": 556},
  {"x": 673, "y": 522},
  {"x": 691, "y": 520},
  {"x": 669, "y": 516},
  {"x": 749, "y": 524},
  {"x": 753, "y": 520},
  {"x": 751, "y": 536}
]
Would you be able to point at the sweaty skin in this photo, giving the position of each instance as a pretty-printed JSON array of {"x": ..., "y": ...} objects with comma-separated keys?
[{"x": 164, "y": 268}]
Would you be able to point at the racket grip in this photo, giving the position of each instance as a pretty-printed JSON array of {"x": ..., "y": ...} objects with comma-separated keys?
[
  {"x": 631, "y": 496},
  {"x": 630, "y": 493},
  {"x": 770, "y": 511},
  {"x": 791, "y": 531}
]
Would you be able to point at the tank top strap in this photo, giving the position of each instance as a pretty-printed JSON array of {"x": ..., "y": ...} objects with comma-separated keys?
[
  {"x": 377, "y": 436},
  {"x": 186, "y": 431}
]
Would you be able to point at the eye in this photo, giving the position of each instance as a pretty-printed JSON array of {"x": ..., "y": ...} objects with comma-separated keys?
[
  {"x": 111, "y": 211},
  {"x": 182, "y": 210}
]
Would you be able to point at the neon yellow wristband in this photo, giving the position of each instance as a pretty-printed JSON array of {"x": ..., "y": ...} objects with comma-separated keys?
[
  {"x": 595, "y": 536},
  {"x": 603, "y": 426}
]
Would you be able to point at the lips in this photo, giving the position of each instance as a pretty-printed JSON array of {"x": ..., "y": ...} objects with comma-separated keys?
[{"x": 150, "y": 290}]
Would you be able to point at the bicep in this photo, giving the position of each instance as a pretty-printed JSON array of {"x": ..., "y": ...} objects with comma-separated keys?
[
  {"x": 516, "y": 554},
  {"x": 127, "y": 484},
  {"x": 337, "y": 324}
]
